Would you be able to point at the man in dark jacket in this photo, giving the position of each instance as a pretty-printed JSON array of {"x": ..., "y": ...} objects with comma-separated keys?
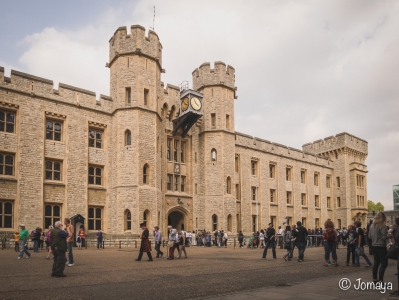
[
  {"x": 270, "y": 241},
  {"x": 59, "y": 247},
  {"x": 300, "y": 235}
]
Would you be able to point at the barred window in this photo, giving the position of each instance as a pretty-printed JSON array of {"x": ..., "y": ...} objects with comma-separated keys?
[
  {"x": 176, "y": 183},
  {"x": 214, "y": 222},
  {"x": 6, "y": 214},
  {"x": 95, "y": 175},
  {"x": 53, "y": 170},
  {"x": 95, "y": 218},
  {"x": 128, "y": 220},
  {"x": 145, "y": 174},
  {"x": 53, "y": 130},
  {"x": 128, "y": 138},
  {"x": 7, "y": 121},
  {"x": 52, "y": 214},
  {"x": 95, "y": 138},
  {"x": 169, "y": 177},
  {"x": 182, "y": 183},
  {"x": 7, "y": 164}
]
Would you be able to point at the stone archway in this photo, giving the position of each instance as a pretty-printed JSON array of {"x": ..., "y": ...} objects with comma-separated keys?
[{"x": 178, "y": 219}]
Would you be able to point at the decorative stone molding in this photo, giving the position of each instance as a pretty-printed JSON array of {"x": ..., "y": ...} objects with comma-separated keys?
[
  {"x": 272, "y": 163},
  {"x": 96, "y": 124},
  {"x": 289, "y": 167},
  {"x": 55, "y": 115},
  {"x": 6, "y": 104},
  {"x": 254, "y": 158}
]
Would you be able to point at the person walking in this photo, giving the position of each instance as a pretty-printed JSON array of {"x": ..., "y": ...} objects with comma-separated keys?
[
  {"x": 220, "y": 236},
  {"x": 300, "y": 235},
  {"x": 16, "y": 241},
  {"x": 270, "y": 237},
  {"x": 225, "y": 239},
  {"x": 240, "y": 238},
  {"x": 99, "y": 237},
  {"x": 82, "y": 235},
  {"x": 351, "y": 245},
  {"x": 182, "y": 244},
  {"x": 173, "y": 242},
  {"x": 158, "y": 241},
  {"x": 59, "y": 247},
  {"x": 361, "y": 243},
  {"x": 69, "y": 241},
  {"x": 48, "y": 242},
  {"x": 330, "y": 238},
  {"x": 287, "y": 242},
  {"x": 23, "y": 236},
  {"x": 293, "y": 243},
  {"x": 36, "y": 239},
  {"x": 145, "y": 243},
  {"x": 262, "y": 238},
  {"x": 378, "y": 235}
]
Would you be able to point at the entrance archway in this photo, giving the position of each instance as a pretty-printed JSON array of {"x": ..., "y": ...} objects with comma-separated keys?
[{"x": 177, "y": 220}]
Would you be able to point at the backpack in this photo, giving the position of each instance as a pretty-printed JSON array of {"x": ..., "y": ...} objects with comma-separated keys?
[
  {"x": 287, "y": 237},
  {"x": 79, "y": 239},
  {"x": 330, "y": 235}
]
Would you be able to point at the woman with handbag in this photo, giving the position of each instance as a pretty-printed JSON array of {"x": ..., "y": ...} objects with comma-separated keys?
[
  {"x": 361, "y": 242},
  {"x": 330, "y": 238},
  {"x": 378, "y": 235}
]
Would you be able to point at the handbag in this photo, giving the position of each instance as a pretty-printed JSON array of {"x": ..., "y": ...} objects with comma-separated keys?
[
  {"x": 171, "y": 243},
  {"x": 393, "y": 252},
  {"x": 360, "y": 251}
]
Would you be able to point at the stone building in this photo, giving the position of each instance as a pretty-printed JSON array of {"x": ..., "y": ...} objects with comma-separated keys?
[{"x": 114, "y": 162}]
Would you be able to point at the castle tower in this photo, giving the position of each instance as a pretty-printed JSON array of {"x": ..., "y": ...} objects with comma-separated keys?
[
  {"x": 217, "y": 145},
  {"x": 135, "y": 63},
  {"x": 348, "y": 155}
]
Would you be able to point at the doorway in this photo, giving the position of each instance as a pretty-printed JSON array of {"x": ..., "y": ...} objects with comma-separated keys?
[{"x": 176, "y": 220}]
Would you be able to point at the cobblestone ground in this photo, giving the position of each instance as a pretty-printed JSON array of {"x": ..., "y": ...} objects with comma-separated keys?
[{"x": 207, "y": 272}]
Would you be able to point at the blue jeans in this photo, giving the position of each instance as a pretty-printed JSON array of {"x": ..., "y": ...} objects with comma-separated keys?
[
  {"x": 99, "y": 244},
  {"x": 23, "y": 249},
  {"x": 293, "y": 244},
  {"x": 301, "y": 249},
  {"x": 357, "y": 257},
  {"x": 270, "y": 244},
  {"x": 36, "y": 246},
  {"x": 70, "y": 255},
  {"x": 330, "y": 247},
  {"x": 158, "y": 248}
]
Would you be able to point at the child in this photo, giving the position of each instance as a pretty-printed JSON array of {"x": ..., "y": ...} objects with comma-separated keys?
[
  {"x": 352, "y": 246},
  {"x": 79, "y": 242},
  {"x": 16, "y": 240}
]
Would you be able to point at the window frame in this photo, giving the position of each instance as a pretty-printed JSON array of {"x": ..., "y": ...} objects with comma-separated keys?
[
  {"x": 214, "y": 222},
  {"x": 128, "y": 94},
  {"x": 4, "y": 215},
  {"x": 5, "y": 122},
  {"x": 4, "y": 165},
  {"x": 272, "y": 171},
  {"x": 289, "y": 197},
  {"x": 169, "y": 182},
  {"x": 128, "y": 221},
  {"x": 94, "y": 219},
  {"x": 304, "y": 201},
  {"x": 128, "y": 137},
  {"x": 273, "y": 196},
  {"x": 53, "y": 171},
  {"x": 95, "y": 176},
  {"x": 52, "y": 217},
  {"x": 53, "y": 130},
  {"x": 182, "y": 183},
  {"x": 146, "y": 171},
  {"x": 95, "y": 139}
]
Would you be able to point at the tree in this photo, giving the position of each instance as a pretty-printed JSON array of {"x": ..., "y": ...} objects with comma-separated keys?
[
  {"x": 379, "y": 207},
  {"x": 371, "y": 206}
]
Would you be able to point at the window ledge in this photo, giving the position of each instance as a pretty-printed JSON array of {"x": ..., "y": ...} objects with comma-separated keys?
[
  {"x": 50, "y": 182},
  {"x": 8, "y": 133},
  {"x": 8, "y": 178},
  {"x": 96, "y": 187},
  {"x": 238, "y": 201},
  {"x": 304, "y": 206},
  {"x": 290, "y": 205},
  {"x": 274, "y": 204},
  {"x": 256, "y": 202},
  {"x": 53, "y": 141},
  {"x": 317, "y": 208},
  {"x": 329, "y": 209}
]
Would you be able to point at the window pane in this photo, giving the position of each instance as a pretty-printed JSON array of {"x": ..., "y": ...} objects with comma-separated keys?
[
  {"x": 10, "y": 118},
  {"x": 57, "y": 176},
  {"x": 57, "y": 127},
  {"x": 98, "y": 180},
  {"x": 2, "y": 114},
  {"x": 91, "y": 171},
  {"x": 57, "y": 136},
  {"x": 128, "y": 216},
  {"x": 49, "y": 135},
  {"x": 98, "y": 212},
  {"x": 129, "y": 225},
  {"x": 91, "y": 224},
  {"x": 49, "y": 125},
  {"x": 1, "y": 126},
  {"x": 1, "y": 170},
  {"x": 98, "y": 224},
  {"x": 49, "y": 175},
  {"x": 57, "y": 166},
  {"x": 91, "y": 143},
  {"x": 91, "y": 212},
  {"x": 91, "y": 180},
  {"x": 9, "y": 160},
  {"x": 7, "y": 221},
  {"x": 47, "y": 222},
  {"x": 47, "y": 210},
  {"x": 55, "y": 220},
  {"x": 1, "y": 158},
  {"x": 1, "y": 208},
  {"x": 128, "y": 138},
  {"x": 91, "y": 134},
  {"x": 10, "y": 128},
  {"x": 98, "y": 135},
  {"x": 56, "y": 210},
  {"x": 98, "y": 144},
  {"x": 49, "y": 165},
  {"x": 9, "y": 170},
  {"x": 98, "y": 171}
]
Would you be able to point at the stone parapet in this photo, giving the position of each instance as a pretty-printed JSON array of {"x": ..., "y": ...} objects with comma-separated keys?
[{"x": 221, "y": 75}]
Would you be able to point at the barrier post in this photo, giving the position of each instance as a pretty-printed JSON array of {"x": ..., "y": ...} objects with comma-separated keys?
[{"x": 234, "y": 243}]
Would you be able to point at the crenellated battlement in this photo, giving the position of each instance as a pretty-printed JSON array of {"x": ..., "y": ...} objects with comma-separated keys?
[
  {"x": 219, "y": 76},
  {"x": 340, "y": 141},
  {"x": 135, "y": 43}
]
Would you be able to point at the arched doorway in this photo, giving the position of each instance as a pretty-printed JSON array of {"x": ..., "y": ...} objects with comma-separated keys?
[{"x": 177, "y": 220}]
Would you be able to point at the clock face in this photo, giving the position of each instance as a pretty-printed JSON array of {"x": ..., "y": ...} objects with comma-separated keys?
[
  {"x": 196, "y": 103},
  {"x": 184, "y": 104}
]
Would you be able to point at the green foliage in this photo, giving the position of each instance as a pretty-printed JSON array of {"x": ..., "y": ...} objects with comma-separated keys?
[
  {"x": 379, "y": 207},
  {"x": 375, "y": 207}
]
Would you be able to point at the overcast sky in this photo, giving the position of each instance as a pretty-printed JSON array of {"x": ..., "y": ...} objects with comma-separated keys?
[{"x": 305, "y": 70}]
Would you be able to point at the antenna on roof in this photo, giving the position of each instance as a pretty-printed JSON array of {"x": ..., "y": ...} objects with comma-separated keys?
[{"x": 153, "y": 21}]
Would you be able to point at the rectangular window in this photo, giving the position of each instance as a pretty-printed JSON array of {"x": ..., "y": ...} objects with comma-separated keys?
[
  {"x": 182, "y": 183},
  {"x": 303, "y": 176},
  {"x": 304, "y": 222},
  {"x": 7, "y": 121},
  {"x": 303, "y": 200},
  {"x": 288, "y": 174},
  {"x": 254, "y": 167},
  {"x": 316, "y": 179},
  {"x": 169, "y": 182},
  {"x": 95, "y": 138},
  {"x": 289, "y": 221},
  {"x": 146, "y": 96},
  {"x": 254, "y": 193},
  {"x": 273, "y": 196},
  {"x": 6, "y": 214},
  {"x": 328, "y": 202},
  {"x": 272, "y": 170},
  {"x": 338, "y": 182},
  {"x": 236, "y": 164},
  {"x": 128, "y": 94},
  {"x": 238, "y": 193},
  {"x": 213, "y": 120},
  {"x": 317, "y": 223},
  {"x": 95, "y": 175},
  {"x": 316, "y": 201},
  {"x": 182, "y": 152},
  {"x": 328, "y": 181},
  {"x": 176, "y": 183},
  {"x": 175, "y": 150},
  {"x": 254, "y": 217},
  {"x": 52, "y": 214},
  {"x": 227, "y": 122},
  {"x": 53, "y": 170},
  {"x": 168, "y": 149},
  {"x": 54, "y": 130},
  {"x": 7, "y": 163},
  {"x": 289, "y": 198},
  {"x": 338, "y": 201},
  {"x": 196, "y": 189},
  {"x": 360, "y": 181},
  {"x": 273, "y": 220},
  {"x": 95, "y": 218},
  {"x": 195, "y": 157},
  {"x": 339, "y": 223}
]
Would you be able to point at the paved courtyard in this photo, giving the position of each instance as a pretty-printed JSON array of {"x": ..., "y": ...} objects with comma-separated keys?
[{"x": 206, "y": 273}]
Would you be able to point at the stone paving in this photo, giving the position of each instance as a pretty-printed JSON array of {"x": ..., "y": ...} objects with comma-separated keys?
[{"x": 224, "y": 273}]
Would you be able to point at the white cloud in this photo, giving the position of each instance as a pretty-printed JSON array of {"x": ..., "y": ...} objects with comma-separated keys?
[{"x": 304, "y": 70}]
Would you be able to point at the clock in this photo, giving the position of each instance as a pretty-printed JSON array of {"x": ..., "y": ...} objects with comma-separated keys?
[
  {"x": 184, "y": 104},
  {"x": 196, "y": 103}
]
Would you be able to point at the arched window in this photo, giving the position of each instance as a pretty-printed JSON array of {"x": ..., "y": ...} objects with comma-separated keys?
[
  {"x": 229, "y": 223},
  {"x": 128, "y": 138},
  {"x": 128, "y": 220},
  {"x": 146, "y": 171},
  {"x": 213, "y": 155},
  {"x": 228, "y": 184},
  {"x": 147, "y": 217},
  {"x": 172, "y": 113},
  {"x": 165, "y": 110},
  {"x": 214, "y": 222},
  {"x": 52, "y": 214}
]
